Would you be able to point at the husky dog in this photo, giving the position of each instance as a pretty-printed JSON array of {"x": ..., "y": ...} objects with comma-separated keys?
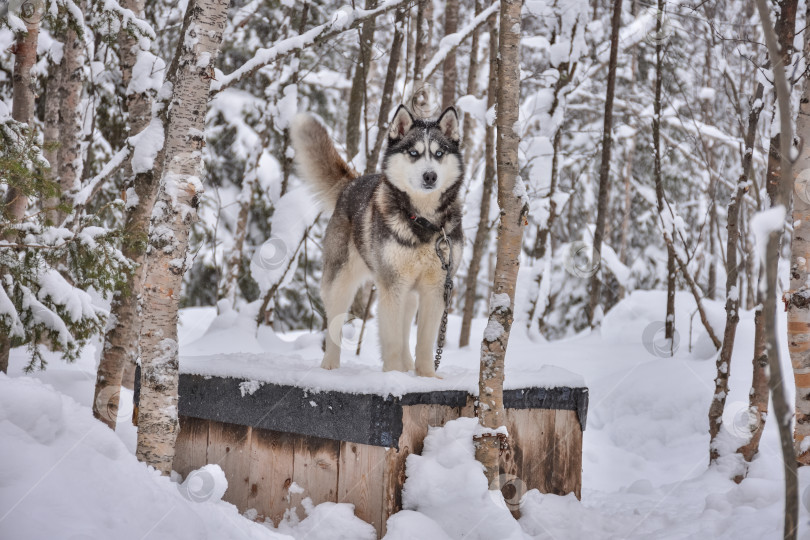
[{"x": 385, "y": 227}]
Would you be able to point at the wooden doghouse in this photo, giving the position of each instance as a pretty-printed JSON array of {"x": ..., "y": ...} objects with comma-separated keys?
[{"x": 280, "y": 444}]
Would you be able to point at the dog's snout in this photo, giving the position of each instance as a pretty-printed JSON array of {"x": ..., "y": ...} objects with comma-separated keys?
[{"x": 429, "y": 179}]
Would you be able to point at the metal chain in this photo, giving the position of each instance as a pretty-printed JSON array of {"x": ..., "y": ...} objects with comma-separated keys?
[{"x": 447, "y": 266}]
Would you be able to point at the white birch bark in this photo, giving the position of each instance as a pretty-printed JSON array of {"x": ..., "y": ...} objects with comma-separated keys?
[
  {"x": 513, "y": 203},
  {"x": 189, "y": 83}
]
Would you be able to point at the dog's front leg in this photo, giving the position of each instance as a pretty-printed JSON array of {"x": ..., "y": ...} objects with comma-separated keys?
[
  {"x": 431, "y": 307},
  {"x": 391, "y": 322}
]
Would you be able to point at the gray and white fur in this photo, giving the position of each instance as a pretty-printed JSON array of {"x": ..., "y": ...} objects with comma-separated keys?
[{"x": 385, "y": 226}]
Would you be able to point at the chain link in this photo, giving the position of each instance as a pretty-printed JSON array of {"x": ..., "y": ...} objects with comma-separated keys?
[{"x": 447, "y": 266}]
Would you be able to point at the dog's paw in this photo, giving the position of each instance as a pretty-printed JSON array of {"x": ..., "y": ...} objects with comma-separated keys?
[
  {"x": 406, "y": 362},
  {"x": 330, "y": 364},
  {"x": 427, "y": 373}
]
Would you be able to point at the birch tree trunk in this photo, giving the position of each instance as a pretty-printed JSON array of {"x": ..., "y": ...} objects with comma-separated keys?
[
  {"x": 604, "y": 168},
  {"x": 69, "y": 154},
  {"x": 514, "y": 211},
  {"x": 732, "y": 290},
  {"x": 22, "y": 110},
  {"x": 482, "y": 231},
  {"x": 175, "y": 209},
  {"x": 23, "y": 87},
  {"x": 449, "y": 72},
  {"x": 797, "y": 299},
  {"x": 780, "y": 199},
  {"x": 120, "y": 352},
  {"x": 50, "y": 135}
]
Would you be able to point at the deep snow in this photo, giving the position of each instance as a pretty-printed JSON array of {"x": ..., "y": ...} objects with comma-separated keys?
[{"x": 645, "y": 475}]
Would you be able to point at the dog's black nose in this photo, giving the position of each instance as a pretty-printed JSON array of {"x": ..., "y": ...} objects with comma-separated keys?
[{"x": 429, "y": 179}]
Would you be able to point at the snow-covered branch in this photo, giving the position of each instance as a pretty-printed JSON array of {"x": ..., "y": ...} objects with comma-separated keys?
[
  {"x": 450, "y": 43},
  {"x": 343, "y": 20}
]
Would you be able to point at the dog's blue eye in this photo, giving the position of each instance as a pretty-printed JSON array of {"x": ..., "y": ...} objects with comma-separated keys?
[
  {"x": 439, "y": 153},
  {"x": 413, "y": 153}
]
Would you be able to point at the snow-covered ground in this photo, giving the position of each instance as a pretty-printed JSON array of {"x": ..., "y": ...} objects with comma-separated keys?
[{"x": 645, "y": 463}]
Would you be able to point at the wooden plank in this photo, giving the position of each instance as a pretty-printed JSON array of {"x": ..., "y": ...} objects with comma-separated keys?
[
  {"x": 414, "y": 429},
  {"x": 229, "y": 447},
  {"x": 360, "y": 480},
  {"x": 271, "y": 470},
  {"x": 441, "y": 414},
  {"x": 566, "y": 474},
  {"x": 532, "y": 431},
  {"x": 190, "y": 451},
  {"x": 315, "y": 471}
]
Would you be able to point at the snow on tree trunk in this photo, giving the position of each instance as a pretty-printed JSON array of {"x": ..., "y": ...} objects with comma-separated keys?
[
  {"x": 604, "y": 168},
  {"x": 513, "y": 204},
  {"x": 120, "y": 351},
  {"x": 482, "y": 231},
  {"x": 189, "y": 82},
  {"x": 770, "y": 224},
  {"x": 797, "y": 299},
  {"x": 23, "y": 87}
]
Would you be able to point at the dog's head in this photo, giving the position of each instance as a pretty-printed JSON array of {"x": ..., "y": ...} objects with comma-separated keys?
[{"x": 423, "y": 156}]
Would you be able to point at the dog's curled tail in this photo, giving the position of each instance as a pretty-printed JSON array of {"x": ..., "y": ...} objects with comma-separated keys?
[{"x": 318, "y": 161}]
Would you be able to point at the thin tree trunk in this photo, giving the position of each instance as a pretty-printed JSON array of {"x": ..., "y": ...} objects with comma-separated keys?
[
  {"x": 175, "y": 210},
  {"x": 669, "y": 319},
  {"x": 5, "y": 351},
  {"x": 472, "y": 90},
  {"x": 233, "y": 262},
  {"x": 482, "y": 232},
  {"x": 695, "y": 290},
  {"x": 732, "y": 288},
  {"x": 629, "y": 155},
  {"x": 359, "y": 85},
  {"x": 797, "y": 299},
  {"x": 388, "y": 91},
  {"x": 51, "y": 136},
  {"x": 604, "y": 169},
  {"x": 449, "y": 72},
  {"x": 424, "y": 27},
  {"x": 514, "y": 210},
  {"x": 120, "y": 352},
  {"x": 781, "y": 198},
  {"x": 23, "y": 87}
]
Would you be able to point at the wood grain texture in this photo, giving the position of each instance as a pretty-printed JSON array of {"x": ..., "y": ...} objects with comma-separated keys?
[
  {"x": 360, "y": 480},
  {"x": 566, "y": 470},
  {"x": 315, "y": 470},
  {"x": 192, "y": 445},
  {"x": 229, "y": 447},
  {"x": 271, "y": 470}
]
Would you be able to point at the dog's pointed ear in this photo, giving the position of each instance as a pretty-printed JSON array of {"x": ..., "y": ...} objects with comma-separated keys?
[
  {"x": 448, "y": 124},
  {"x": 402, "y": 122}
]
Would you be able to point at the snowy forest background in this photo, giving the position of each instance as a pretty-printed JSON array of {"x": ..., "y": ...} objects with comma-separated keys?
[{"x": 694, "y": 160}]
